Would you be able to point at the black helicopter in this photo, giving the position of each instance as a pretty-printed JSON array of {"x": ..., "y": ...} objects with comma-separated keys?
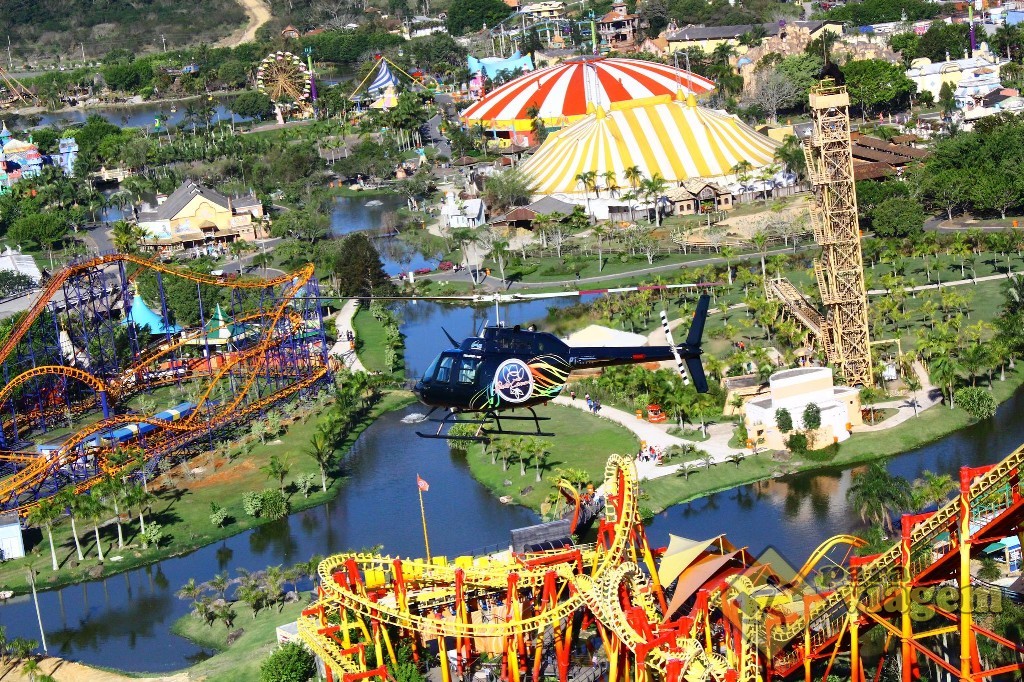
[{"x": 507, "y": 368}]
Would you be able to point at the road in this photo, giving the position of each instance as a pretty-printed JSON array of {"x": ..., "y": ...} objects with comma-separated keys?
[{"x": 259, "y": 14}]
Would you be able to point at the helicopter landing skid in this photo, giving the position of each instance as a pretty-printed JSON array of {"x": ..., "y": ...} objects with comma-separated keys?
[{"x": 483, "y": 434}]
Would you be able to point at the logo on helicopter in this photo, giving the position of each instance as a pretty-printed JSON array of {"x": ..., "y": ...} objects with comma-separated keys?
[{"x": 513, "y": 381}]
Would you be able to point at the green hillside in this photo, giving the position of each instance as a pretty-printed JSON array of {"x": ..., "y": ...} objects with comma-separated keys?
[{"x": 47, "y": 28}]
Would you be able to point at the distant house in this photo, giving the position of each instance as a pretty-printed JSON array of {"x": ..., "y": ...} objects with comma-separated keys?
[
  {"x": 708, "y": 38},
  {"x": 618, "y": 29},
  {"x": 972, "y": 78},
  {"x": 699, "y": 196},
  {"x": 658, "y": 46},
  {"x": 457, "y": 213},
  {"x": 289, "y": 31},
  {"x": 551, "y": 9},
  {"x": 522, "y": 217},
  {"x": 195, "y": 215}
]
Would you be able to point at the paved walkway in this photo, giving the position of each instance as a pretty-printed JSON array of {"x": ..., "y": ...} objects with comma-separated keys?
[
  {"x": 342, "y": 348},
  {"x": 929, "y": 396},
  {"x": 954, "y": 283},
  {"x": 657, "y": 435}
]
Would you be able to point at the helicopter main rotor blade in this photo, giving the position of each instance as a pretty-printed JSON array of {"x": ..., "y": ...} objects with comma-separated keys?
[
  {"x": 511, "y": 298},
  {"x": 675, "y": 351},
  {"x": 455, "y": 344}
]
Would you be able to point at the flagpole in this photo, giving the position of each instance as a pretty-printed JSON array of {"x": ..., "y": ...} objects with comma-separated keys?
[{"x": 423, "y": 517}]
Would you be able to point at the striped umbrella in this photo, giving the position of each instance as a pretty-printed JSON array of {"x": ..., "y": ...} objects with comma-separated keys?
[
  {"x": 675, "y": 139},
  {"x": 563, "y": 93}
]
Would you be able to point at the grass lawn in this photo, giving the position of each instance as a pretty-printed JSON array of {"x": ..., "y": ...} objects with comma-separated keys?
[
  {"x": 239, "y": 662},
  {"x": 583, "y": 441},
  {"x": 369, "y": 340},
  {"x": 182, "y": 507}
]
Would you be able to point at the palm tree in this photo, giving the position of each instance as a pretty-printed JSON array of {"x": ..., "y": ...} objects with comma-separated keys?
[
  {"x": 67, "y": 499},
  {"x": 110, "y": 489},
  {"x": 654, "y": 188},
  {"x": 933, "y": 488},
  {"x": 975, "y": 359},
  {"x": 588, "y": 179},
  {"x": 945, "y": 370},
  {"x": 611, "y": 181},
  {"x": 190, "y": 591},
  {"x": 322, "y": 451},
  {"x": 44, "y": 514},
  {"x": 760, "y": 241},
  {"x": 876, "y": 494},
  {"x": 600, "y": 232},
  {"x": 728, "y": 253},
  {"x": 276, "y": 468},
  {"x": 92, "y": 507},
  {"x": 138, "y": 497},
  {"x": 127, "y": 236},
  {"x": 219, "y": 583}
]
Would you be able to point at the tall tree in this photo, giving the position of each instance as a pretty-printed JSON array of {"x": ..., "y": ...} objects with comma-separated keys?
[
  {"x": 359, "y": 269},
  {"x": 876, "y": 495},
  {"x": 46, "y": 511}
]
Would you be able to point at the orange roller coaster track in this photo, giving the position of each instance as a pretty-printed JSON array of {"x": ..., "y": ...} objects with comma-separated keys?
[
  {"x": 720, "y": 615},
  {"x": 279, "y": 352}
]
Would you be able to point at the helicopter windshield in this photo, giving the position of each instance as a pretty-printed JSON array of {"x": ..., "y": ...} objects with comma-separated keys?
[
  {"x": 444, "y": 368},
  {"x": 429, "y": 374}
]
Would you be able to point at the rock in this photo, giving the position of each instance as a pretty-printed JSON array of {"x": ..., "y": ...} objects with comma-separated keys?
[
  {"x": 505, "y": 499},
  {"x": 291, "y": 596},
  {"x": 527, "y": 490},
  {"x": 506, "y": 483},
  {"x": 116, "y": 558},
  {"x": 234, "y": 635},
  {"x": 95, "y": 572}
]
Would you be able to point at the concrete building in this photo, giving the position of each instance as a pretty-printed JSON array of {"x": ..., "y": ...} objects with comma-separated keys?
[
  {"x": 12, "y": 546},
  {"x": 195, "y": 215},
  {"x": 552, "y": 9},
  {"x": 707, "y": 38},
  {"x": 973, "y": 77},
  {"x": 618, "y": 29},
  {"x": 793, "y": 390},
  {"x": 456, "y": 212}
]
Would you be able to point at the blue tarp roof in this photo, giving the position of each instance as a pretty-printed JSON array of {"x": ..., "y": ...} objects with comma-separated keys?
[
  {"x": 142, "y": 316},
  {"x": 492, "y": 65}
]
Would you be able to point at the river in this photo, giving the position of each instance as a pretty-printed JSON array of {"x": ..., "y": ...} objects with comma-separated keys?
[
  {"x": 137, "y": 115},
  {"x": 124, "y": 621}
]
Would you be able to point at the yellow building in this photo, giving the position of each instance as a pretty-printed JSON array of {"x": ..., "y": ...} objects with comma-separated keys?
[
  {"x": 707, "y": 38},
  {"x": 793, "y": 390},
  {"x": 194, "y": 216},
  {"x": 545, "y": 10}
]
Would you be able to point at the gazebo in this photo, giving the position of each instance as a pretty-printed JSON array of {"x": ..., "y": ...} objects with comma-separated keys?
[
  {"x": 564, "y": 93},
  {"x": 673, "y": 138},
  {"x": 220, "y": 330}
]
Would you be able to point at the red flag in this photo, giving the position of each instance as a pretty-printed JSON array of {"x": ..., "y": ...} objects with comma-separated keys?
[{"x": 421, "y": 484}]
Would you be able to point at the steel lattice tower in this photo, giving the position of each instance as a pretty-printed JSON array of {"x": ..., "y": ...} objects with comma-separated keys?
[{"x": 840, "y": 271}]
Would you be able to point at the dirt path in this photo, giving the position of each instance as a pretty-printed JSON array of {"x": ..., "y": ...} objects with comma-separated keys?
[
  {"x": 66, "y": 671},
  {"x": 259, "y": 14}
]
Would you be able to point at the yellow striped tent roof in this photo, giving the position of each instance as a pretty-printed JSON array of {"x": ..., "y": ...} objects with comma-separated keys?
[{"x": 674, "y": 138}]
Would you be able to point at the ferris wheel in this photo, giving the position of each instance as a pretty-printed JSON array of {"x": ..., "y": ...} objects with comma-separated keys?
[{"x": 284, "y": 78}]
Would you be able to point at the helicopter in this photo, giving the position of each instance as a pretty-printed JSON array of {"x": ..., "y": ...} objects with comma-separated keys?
[{"x": 509, "y": 368}]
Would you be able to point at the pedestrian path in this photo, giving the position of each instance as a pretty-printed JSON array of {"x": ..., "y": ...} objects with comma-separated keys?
[
  {"x": 342, "y": 349},
  {"x": 657, "y": 435},
  {"x": 929, "y": 396}
]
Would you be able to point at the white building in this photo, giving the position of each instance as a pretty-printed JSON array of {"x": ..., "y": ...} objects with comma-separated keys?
[
  {"x": 793, "y": 390},
  {"x": 972, "y": 77},
  {"x": 456, "y": 213},
  {"x": 11, "y": 544}
]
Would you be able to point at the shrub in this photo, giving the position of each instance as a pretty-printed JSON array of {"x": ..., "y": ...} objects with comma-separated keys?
[
  {"x": 273, "y": 505},
  {"x": 784, "y": 420},
  {"x": 154, "y": 535},
  {"x": 252, "y": 503},
  {"x": 306, "y": 483},
  {"x": 812, "y": 416},
  {"x": 975, "y": 401},
  {"x": 290, "y": 663},
  {"x": 218, "y": 515},
  {"x": 825, "y": 454},
  {"x": 797, "y": 443}
]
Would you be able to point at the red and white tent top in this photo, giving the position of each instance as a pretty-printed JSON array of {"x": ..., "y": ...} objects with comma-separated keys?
[{"x": 563, "y": 93}]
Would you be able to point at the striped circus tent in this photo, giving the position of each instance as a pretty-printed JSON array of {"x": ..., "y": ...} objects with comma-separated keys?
[
  {"x": 384, "y": 78},
  {"x": 671, "y": 137},
  {"x": 563, "y": 93}
]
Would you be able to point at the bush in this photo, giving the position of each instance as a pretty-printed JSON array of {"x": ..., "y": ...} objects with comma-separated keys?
[
  {"x": 825, "y": 454},
  {"x": 784, "y": 420},
  {"x": 273, "y": 505},
  {"x": 797, "y": 443},
  {"x": 252, "y": 503},
  {"x": 975, "y": 401},
  {"x": 290, "y": 663},
  {"x": 154, "y": 535}
]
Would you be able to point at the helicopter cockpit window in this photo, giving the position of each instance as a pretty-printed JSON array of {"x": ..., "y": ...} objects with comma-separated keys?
[
  {"x": 429, "y": 374},
  {"x": 468, "y": 369},
  {"x": 444, "y": 368}
]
